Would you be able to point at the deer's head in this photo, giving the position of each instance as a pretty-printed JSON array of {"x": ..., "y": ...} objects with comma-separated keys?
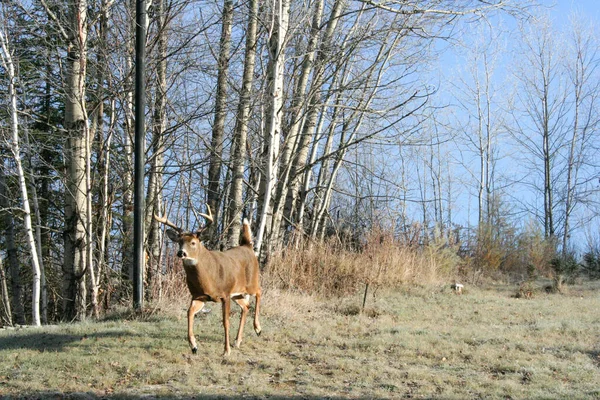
[{"x": 190, "y": 243}]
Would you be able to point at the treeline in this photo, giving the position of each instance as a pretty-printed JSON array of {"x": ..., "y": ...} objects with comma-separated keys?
[{"x": 310, "y": 118}]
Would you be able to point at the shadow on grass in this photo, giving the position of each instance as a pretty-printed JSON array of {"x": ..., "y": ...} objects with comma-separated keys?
[
  {"x": 36, "y": 339},
  {"x": 93, "y": 396},
  {"x": 595, "y": 356}
]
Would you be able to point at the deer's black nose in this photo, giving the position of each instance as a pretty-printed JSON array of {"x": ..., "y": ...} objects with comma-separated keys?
[{"x": 181, "y": 254}]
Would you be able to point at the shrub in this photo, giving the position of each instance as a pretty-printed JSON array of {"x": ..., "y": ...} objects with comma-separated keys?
[
  {"x": 330, "y": 268},
  {"x": 506, "y": 252},
  {"x": 591, "y": 264},
  {"x": 564, "y": 268}
]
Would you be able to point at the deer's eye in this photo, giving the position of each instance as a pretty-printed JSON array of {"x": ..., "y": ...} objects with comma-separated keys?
[{"x": 193, "y": 243}]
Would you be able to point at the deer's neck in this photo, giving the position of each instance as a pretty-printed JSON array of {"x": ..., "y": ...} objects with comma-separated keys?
[{"x": 202, "y": 274}]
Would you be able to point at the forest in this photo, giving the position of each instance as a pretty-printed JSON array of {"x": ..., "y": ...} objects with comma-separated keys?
[{"x": 367, "y": 141}]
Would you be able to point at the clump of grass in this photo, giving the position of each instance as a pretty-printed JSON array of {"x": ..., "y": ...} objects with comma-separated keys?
[
  {"x": 526, "y": 290},
  {"x": 349, "y": 309}
]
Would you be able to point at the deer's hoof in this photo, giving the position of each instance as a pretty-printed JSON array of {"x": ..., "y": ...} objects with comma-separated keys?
[
  {"x": 258, "y": 331},
  {"x": 194, "y": 350}
]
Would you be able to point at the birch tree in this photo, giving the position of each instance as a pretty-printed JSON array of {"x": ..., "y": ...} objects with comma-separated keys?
[
  {"x": 127, "y": 143},
  {"x": 77, "y": 218},
  {"x": 218, "y": 131},
  {"x": 241, "y": 127},
  {"x": 38, "y": 223},
  {"x": 14, "y": 268},
  {"x": 157, "y": 145},
  {"x": 292, "y": 181},
  {"x": 321, "y": 97},
  {"x": 102, "y": 136},
  {"x": 7, "y": 63},
  {"x": 297, "y": 109},
  {"x": 275, "y": 80}
]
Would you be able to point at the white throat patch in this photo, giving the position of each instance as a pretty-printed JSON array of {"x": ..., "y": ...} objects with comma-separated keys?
[{"x": 190, "y": 262}]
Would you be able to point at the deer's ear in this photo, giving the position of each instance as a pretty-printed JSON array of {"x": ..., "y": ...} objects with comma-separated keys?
[
  {"x": 202, "y": 234},
  {"x": 173, "y": 235}
]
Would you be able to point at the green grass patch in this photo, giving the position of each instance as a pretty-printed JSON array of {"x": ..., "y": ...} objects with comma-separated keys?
[{"x": 418, "y": 343}]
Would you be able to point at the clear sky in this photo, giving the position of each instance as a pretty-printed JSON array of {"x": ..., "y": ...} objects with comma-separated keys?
[
  {"x": 453, "y": 67},
  {"x": 562, "y": 8}
]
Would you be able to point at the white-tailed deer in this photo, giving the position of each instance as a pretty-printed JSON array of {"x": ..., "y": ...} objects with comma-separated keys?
[{"x": 218, "y": 276}]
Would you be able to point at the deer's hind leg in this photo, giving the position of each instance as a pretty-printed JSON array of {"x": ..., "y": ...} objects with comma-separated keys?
[
  {"x": 244, "y": 304},
  {"x": 257, "y": 328}
]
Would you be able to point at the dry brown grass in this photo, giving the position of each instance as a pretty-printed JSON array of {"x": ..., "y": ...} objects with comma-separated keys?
[
  {"x": 331, "y": 268},
  {"x": 415, "y": 342}
]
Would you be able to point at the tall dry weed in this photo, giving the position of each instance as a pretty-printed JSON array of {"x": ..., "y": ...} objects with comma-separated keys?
[
  {"x": 330, "y": 268},
  {"x": 168, "y": 290}
]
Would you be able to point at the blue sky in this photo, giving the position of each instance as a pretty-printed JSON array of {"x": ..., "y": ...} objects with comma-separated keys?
[
  {"x": 452, "y": 66},
  {"x": 563, "y": 8}
]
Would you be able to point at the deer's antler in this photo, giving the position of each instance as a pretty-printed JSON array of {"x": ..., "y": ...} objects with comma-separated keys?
[
  {"x": 165, "y": 221},
  {"x": 209, "y": 216}
]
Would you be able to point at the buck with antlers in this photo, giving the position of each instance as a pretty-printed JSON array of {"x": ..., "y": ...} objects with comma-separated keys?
[{"x": 218, "y": 276}]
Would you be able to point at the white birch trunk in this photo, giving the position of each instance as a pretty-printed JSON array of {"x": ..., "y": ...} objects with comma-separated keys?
[
  {"x": 215, "y": 193},
  {"x": 311, "y": 117},
  {"x": 297, "y": 117},
  {"x": 127, "y": 207},
  {"x": 38, "y": 240},
  {"x": 241, "y": 129},
  {"x": 14, "y": 146},
  {"x": 155, "y": 182},
  {"x": 273, "y": 131},
  {"x": 77, "y": 218}
]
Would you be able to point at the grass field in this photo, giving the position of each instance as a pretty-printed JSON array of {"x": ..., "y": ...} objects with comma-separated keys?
[{"x": 414, "y": 343}]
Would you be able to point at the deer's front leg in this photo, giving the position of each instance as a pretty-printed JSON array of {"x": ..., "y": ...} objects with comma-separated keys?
[
  {"x": 195, "y": 306},
  {"x": 226, "y": 302}
]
